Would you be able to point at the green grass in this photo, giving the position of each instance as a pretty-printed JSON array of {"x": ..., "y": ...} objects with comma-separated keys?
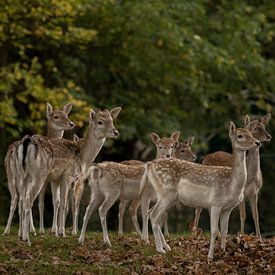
[
  {"x": 51, "y": 255},
  {"x": 129, "y": 255}
]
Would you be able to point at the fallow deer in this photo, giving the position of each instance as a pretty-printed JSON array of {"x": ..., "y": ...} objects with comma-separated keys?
[
  {"x": 110, "y": 181},
  {"x": 61, "y": 161},
  {"x": 181, "y": 150},
  {"x": 219, "y": 189},
  {"x": 254, "y": 174},
  {"x": 57, "y": 123}
]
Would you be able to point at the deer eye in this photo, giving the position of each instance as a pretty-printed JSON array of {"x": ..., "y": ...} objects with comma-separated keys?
[
  {"x": 160, "y": 147},
  {"x": 99, "y": 122},
  {"x": 182, "y": 151},
  {"x": 55, "y": 117},
  {"x": 172, "y": 146},
  {"x": 240, "y": 136}
]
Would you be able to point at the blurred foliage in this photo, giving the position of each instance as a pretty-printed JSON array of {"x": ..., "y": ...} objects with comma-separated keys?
[{"x": 171, "y": 65}]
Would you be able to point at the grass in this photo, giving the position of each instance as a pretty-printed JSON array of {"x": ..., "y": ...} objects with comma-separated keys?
[
  {"x": 51, "y": 255},
  {"x": 129, "y": 255}
]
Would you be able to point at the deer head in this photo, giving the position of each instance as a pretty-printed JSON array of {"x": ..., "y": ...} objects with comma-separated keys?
[
  {"x": 102, "y": 122},
  {"x": 183, "y": 150},
  {"x": 259, "y": 131},
  {"x": 57, "y": 119},
  {"x": 164, "y": 145},
  {"x": 242, "y": 138}
]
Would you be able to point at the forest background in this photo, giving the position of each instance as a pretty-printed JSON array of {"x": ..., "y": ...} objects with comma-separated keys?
[{"x": 171, "y": 65}]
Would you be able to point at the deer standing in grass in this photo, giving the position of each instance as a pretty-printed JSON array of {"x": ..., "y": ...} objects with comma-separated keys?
[
  {"x": 110, "y": 181},
  {"x": 181, "y": 150},
  {"x": 57, "y": 123},
  {"x": 254, "y": 174},
  {"x": 164, "y": 148},
  {"x": 61, "y": 161},
  {"x": 219, "y": 189}
]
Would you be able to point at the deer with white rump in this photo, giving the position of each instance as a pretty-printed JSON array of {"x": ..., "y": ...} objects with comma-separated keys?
[
  {"x": 110, "y": 181},
  {"x": 61, "y": 161},
  {"x": 57, "y": 123},
  {"x": 219, "y": 189},
  {"x": 254, "y": 174}
]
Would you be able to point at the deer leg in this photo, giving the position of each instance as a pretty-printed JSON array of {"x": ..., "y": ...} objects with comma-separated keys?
[
  {"x": 55, "y": 188},
  {"x": 224, "y": 219},
  {"x": 95, "y": 201},
  {"x": 156, "y": 215},
  {"x": 214, "y": 221},
  {"x": 14, "y": 201},
  {"x": 242, "y": 214},
  {"x": 32, "y": 228},
  {"x": 77, "y": 194},
  {"x": 20, "y": 214},
  {"x": 109, "y": 200},
  {"x": 164, "y": 243},
  {"x": 122, "y": 207},
  {"x": 165, "y": 224},
  {"x": 41, "y": 209},
  {"x": 64, "y": 191},
  {"x": 197, "y": 217},
  {"x": 133, "y": 211},
  {"x": 255, "y": 214},
  {"x": 26, "y": 219},
  {"x": 145, "y": 205}
]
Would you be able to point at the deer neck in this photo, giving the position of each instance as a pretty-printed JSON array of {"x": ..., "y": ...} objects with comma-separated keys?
[
  {"x": 253, "y": 163},
  {"x": 91, "y": 146},
  {"x": 239, "y": 172},
  {"x": 53, "y": 133}
]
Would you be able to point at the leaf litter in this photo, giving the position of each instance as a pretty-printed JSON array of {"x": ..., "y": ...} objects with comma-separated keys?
[{"x": 244, "y": 254}]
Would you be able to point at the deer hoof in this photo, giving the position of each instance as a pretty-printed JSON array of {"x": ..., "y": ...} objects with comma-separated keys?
[
  {"x": 167, "y": 247},
  {"x": 161, "y": 251},
  {"x": 209, "y": 259}
]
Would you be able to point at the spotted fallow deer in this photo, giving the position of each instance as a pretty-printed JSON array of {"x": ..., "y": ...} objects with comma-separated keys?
[
  {"x": 164, "y": 149},
  {"x": 110, "y": 181},
  {"x": 181, "y": 150},
  {"x": 61, "y": 161},
  {"x": 57, "y": 123},
  {"x": 219, "y": 189},
  {"x": 254, "y": 174}
]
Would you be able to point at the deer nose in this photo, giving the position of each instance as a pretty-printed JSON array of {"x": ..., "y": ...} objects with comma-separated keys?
[
  {"x": 116, "y": 133},
  {"x": 268, "y": 137},
  {"x": 258, "y": 143},
  {"x": 168, "y": 156},
  {"x": 194, "y": 158},
  {"x": 71, "y": 124}
]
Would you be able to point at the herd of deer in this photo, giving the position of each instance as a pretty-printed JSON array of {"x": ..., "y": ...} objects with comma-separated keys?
[{"x": 219, "y": 184}]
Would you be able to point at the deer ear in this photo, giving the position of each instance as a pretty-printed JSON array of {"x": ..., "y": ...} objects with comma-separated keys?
[
  {"x": 190, "y": 140},
  {"x": 175, "y": 136},
  {"x": 92, "y": 115},
  {"x": 252, "y": 125},
  {"x": 49, "y": 110},
  {"x": 155, "y": 138},
  {"x": 232, "y": 128},
  {"x": 76, "y": 138},
  {"x": 67, "y": 108},
  {"x": 246, "y": 120},
  {"x": 265, "y": 119},
  {"x": 114, "y": 112}
]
